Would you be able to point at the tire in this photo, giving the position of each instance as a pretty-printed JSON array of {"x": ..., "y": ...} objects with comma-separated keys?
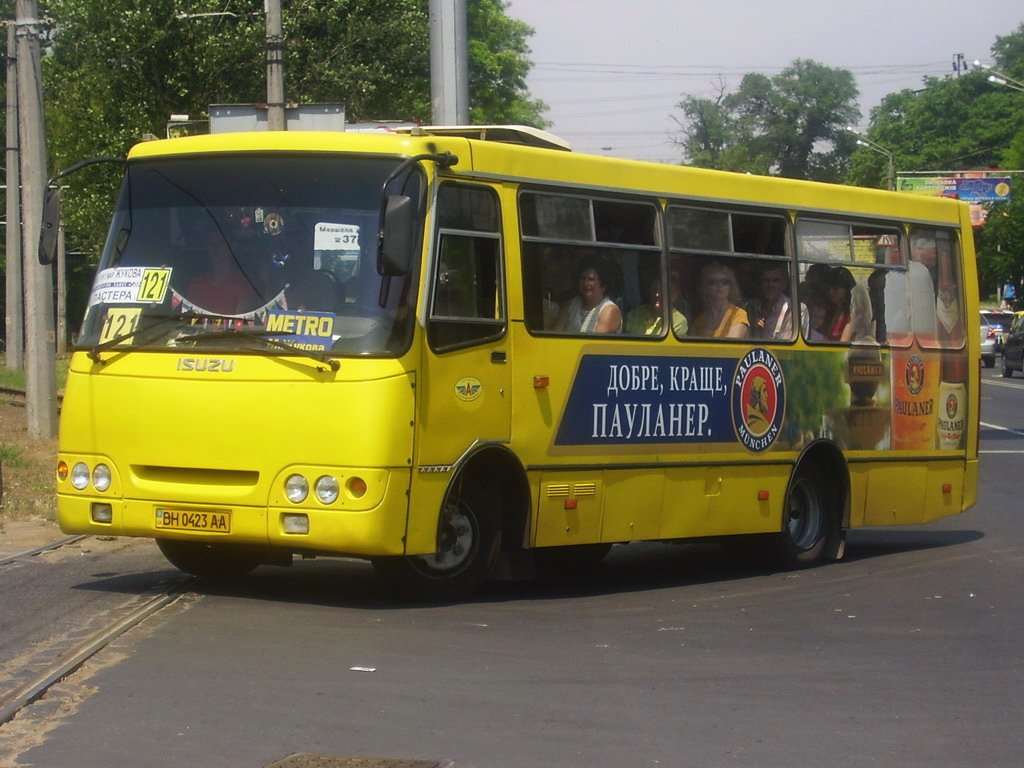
[
  {"x": 811, "y": 520},
  {"x": 210, "y": 561},
  {"x": 1007, "y": 370},
  {"x": 989, "y": 360},
  {"x": 469, "y": 538}
]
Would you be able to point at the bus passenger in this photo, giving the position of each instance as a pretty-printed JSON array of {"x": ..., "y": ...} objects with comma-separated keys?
[
  {"x": 722, "y": 317},
  {"x": 591, "y": 311},
  {"x": 840, "y": 290},
  {"x": 649, "y": 319},
  {"x": 814, "y": 286},
  {"x": 861, "y": 328},
  {"x": 818, "y": 319},
  {"x": 771, "y": 313}
]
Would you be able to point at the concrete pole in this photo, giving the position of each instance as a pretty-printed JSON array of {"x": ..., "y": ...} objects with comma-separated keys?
[
  {"x": 14, "y": 290},
  {"x": 449, "y": 62},
  {"x": 275, "y": 67},
  {"x": 40, "y": 361}
]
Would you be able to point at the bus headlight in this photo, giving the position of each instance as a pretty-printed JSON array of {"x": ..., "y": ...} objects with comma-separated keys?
[
  {"x": 327, "y": 489},
  {"x": 80, "y": 476},
  {"x": 296, "y": 488},
  {"x": 101, "y": 477}
]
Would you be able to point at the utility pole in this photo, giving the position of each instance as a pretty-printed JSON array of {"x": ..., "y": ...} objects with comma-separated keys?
[
  {"x": 15, "y": 299},
  {"x": 449, "y": 62},
  {"x": 40, "y": 367},
  {"x": 275, "y": 66}
]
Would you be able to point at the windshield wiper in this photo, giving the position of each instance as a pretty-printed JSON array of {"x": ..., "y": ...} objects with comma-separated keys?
[
  {"x": 158, "y": 322},
  {"x": 264, "y": 337}
]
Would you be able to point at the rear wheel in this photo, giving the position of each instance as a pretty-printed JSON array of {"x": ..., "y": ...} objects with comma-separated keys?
[
  {"x": 211, "y": 561},
  {"x": 811, "y": 522},
  {"x": 468, "y": 541}
]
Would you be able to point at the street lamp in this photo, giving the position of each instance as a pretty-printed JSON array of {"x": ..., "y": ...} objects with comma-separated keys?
[
  {"x": 1000, "y": 78},
  {"x": 864, "y": 141}
]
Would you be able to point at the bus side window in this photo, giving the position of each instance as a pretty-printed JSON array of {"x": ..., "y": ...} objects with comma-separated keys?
[{"x": 467, "y": 298}]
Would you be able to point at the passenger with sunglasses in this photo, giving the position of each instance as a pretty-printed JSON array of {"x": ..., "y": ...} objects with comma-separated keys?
[{"x": 722, "y": 316}]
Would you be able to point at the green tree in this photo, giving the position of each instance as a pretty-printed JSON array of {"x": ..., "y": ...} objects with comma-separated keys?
[
  {"x": 1001, "y": 246},
  {"x": 952, "y": 124},
  {"x": 117, "y": 69},
  {"x": 498, "y": 65},
  {"x": 961, "y": 123},
  {"x": 788, "y": 125}
]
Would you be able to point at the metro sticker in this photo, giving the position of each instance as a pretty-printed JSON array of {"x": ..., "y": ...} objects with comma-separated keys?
[{"x": 313, "y": 331}]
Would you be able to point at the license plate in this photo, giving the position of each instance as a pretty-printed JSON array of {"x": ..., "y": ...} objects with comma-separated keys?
[{"x": 193, "y": 520}]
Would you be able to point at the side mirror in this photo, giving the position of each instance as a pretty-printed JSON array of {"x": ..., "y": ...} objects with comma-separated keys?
[
  {"x": 51, "y": 208},
  {"x": 397, "y": 237},
  {"x": 51, "y": 227}
]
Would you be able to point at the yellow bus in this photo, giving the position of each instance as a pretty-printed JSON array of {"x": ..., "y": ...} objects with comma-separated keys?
[{"x": 457, "y": 351}]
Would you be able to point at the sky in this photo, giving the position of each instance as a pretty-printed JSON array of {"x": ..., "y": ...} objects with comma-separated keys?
[{"x": 613, "y": 71}]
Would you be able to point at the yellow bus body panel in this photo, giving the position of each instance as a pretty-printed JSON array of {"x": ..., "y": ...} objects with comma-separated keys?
[{"x": 228, "y": 439}]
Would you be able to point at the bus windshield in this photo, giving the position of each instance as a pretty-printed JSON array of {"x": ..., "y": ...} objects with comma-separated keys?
[{"x": 265, "y": 254}]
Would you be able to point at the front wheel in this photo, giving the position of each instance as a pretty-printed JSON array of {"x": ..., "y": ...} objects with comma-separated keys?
[
  {"x": 810, "y": 520},
  {"x": 468, "y": 541},
  {"x": 210, "y": 561}
]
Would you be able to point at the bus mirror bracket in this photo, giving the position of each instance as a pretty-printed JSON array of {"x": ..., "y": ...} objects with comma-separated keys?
[
  {"x": 397, "y": 236},
  {"x": 51, "y": 208}
]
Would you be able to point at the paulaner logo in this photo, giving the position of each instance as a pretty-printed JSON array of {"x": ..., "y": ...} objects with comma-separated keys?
[
  {"x": 915, "y": 375},
  {"x": 758, "y": 400}
]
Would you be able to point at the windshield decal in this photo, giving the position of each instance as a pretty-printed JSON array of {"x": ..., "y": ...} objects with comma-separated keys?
[
  {"x": 258, "y": 315},
  {"x": 311, "y": 331},
  {"x": 131, "y": 285},
  {"x": 336, "y": 237}
]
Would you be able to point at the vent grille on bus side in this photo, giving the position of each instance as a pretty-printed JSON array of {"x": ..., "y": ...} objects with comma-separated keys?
[{"x": 560, "y": 490}]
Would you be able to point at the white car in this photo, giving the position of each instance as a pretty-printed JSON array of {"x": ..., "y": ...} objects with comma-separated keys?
[{"x": 995, "y": 324}]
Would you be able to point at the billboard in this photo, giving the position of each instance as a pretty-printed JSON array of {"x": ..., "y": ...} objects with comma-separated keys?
[{"x": 973, "y": 187}]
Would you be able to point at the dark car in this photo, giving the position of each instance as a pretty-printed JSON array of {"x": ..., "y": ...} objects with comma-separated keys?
[
  {"x": 1013, "y": 346},
  {"x": 995, "y": 324}
]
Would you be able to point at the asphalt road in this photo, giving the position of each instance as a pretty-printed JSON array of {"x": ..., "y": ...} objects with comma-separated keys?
[{"x": 907, "y": 653}]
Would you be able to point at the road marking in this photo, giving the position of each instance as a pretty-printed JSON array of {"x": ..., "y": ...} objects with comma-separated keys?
[
  {"x": 1007, "y": 384},
  {"x": 1002, "y": 429},
  {"x": 1013, "y": 452}
]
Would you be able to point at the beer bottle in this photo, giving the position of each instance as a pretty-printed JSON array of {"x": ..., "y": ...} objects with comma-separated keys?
[{"x": 952, "y": 399}]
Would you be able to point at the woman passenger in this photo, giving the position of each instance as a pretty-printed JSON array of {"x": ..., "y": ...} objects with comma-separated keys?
[
  {"x": 840, "y": 290},
  {"x": 722, "y": 316},
  {"x": 591, "y": 311}
]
